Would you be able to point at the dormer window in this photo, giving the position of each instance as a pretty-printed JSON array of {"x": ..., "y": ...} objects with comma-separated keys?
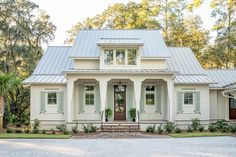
[{"x": 120, "y": 57}]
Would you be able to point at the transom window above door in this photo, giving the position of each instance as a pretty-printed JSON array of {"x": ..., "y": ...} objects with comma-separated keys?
[{"x": 120, "y": 56}]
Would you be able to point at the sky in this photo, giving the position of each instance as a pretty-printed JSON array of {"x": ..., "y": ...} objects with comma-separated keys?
[{"x": 66, "y": 13}]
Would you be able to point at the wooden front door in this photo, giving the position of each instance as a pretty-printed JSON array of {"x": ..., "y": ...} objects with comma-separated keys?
[
  {"x": 120, "y": 102},
  {"x": 232, "y": 108}
]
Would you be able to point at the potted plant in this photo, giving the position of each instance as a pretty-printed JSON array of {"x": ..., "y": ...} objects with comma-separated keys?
[
  {"x": 108, "y": 113},
  {"x": 132, "y": 113}
]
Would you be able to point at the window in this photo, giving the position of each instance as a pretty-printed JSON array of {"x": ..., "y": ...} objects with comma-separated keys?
[
  {"x": 52, "y": 98},
  {"x": 89, "y": 95},
  {"x": 120, "y": 57},
  {"x": 188, "y": 98},
  {"x": 108, "y": 57},
  {"x": 132, "y": 57},
  {"x": 150, "y": 95}
]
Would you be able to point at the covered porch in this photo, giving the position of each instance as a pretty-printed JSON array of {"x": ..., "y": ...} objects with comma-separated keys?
[{"x": 89, "y": 95}]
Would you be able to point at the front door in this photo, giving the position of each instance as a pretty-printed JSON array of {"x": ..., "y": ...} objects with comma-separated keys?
[
  {"x": 232, "y": 108},
  {"x": 119, "y": 102}
]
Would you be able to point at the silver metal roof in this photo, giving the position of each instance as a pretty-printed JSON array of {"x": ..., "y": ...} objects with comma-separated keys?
[
  {"x": 45, "y": 79},
  {"x": 54, "y": 61},
  {"x": 119, "y": 41},
  {"x": 184, "y": 61},
  {"x": 224, "y": 77},
  {"x": 115, "y": 71},
  {"x": 192, "y": 79},
  {"x": 85, "y": 42}
]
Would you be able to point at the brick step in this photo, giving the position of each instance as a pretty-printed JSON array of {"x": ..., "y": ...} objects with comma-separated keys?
[{"x": 120, "y": 128}]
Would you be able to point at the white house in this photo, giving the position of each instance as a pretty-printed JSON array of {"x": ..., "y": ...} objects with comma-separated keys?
[{"x": 124, "y": 69}]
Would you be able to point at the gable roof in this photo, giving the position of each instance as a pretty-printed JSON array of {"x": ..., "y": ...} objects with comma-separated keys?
[
  {"x": 224, "y": 77},
  {"x": 85, "y": 44},
  {"x": 184, "y": 61}
]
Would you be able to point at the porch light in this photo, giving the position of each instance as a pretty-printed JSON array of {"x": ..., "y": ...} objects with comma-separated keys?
[{"x": 120, "y": 86}]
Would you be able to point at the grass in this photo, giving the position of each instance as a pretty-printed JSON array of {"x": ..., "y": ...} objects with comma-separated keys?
[
  {"x": 200, "y": 134},
  {"x": 33, "y": 136}
]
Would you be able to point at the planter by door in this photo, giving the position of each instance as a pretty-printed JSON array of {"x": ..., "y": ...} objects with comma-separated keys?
[{"x": 120, "y": 102}]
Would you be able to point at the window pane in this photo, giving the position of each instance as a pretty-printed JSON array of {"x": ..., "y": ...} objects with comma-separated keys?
[
  {"x": 120, "y": 57},
  {"x": 52, "y": 98},
  {"x": 89, "y": 88},
  {"x": 150, "y": 88},
  {"x": 89, "y": 99},
  {"x": 150, "y": 99},
  {"x": 188, "y": 98},
  {"x": 132, "y": 57},
  {"x": 108, "y": 57}
]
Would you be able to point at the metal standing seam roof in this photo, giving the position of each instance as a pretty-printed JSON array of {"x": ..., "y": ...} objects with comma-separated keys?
[
  {"x": 85, "y": 42},
  {"x": 192, "y": 79},
  {"x": 224, "y": 77},
  {"x": 45, "y": 79},
  {"x": 119, "y": 41}
]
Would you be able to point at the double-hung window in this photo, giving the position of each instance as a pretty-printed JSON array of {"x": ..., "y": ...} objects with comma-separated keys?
[
  {"x": 89, "y": 91},
  {"x": 150, "y": 95},
  {"x": 51, "y": 98},
  {"x": 188, "y": 98}
]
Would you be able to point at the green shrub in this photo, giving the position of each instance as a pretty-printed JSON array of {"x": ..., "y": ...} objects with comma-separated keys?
[
  {"x": 201, "y": 128},
  {"x": 222, "y": 125},
  {"x": 9, "y": 131},
  {"x": 53, "y": 131},
  {"x": 27, "y": 131},
  {"x": 75, "y": 128},
  {"x": 196, "y": 124},
  {"x": 89, "y": 128},
  {"x": 61, "y": 127},
  {"x": 36, "y": 124},
  {"x": 160, "y": 129},
  {"x": 18, "y": 131},
  {"x": 177, "y": 130},
  {"x": 43, "y": 131},
  {"x": 151, "y": 128},
  {"x": 233, "y": 128},
  {"x": 189, "y": 129},
  {"x": 212, "y": 128},
  {"x": 169, "y": 126}
]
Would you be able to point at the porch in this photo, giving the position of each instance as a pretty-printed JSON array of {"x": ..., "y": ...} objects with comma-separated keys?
[{"x": 89, "y": 96}]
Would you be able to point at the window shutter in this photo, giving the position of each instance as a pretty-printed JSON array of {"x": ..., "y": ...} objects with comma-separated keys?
[
  {"x": 180, "y": 102},
  {"x": 42, "y": 102},
  {"x": 96, "y": 103},
  {"x": 158, "y": 107},
  {"x": 142, "y": 108},
  {"x": 197, "y": 102},
  {"x": 81, "y": 99},
  {"x": 60, "y": 104}
]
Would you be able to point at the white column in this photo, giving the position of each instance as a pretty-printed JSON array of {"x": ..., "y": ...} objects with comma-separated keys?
[
  {"x": 103, "y": 95},
  {"x": 170, "y": 90},
  {"x": 137, "y": 95},
  {"x": 70, "y": 89}
]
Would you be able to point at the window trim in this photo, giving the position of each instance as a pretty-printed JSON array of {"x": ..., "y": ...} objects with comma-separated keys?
[
  {"x": 150, "y": 92},
  {"x": 46, "y": 97},
  {"x": 89, "y": 92},
  {"x": 189, "y": 91},
  {"x": 126, "y": 57}
]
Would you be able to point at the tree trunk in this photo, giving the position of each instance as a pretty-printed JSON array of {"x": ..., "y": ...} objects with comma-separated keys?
[{"x": 1, "y": 112}]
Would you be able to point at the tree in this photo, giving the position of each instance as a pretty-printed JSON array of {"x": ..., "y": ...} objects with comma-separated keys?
[
  {"x": 119, "y": 16},
  {"x": 225, "y": 26},
  {"x": 23, "y": 28}
]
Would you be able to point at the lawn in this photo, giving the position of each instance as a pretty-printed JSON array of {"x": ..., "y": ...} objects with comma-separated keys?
[
  {"x": 200, "y": 134},
  {"x": 33, "y": 136}
]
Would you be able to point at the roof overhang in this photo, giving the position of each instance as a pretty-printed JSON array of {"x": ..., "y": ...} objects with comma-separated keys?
[{"x": 119, "y": 42}]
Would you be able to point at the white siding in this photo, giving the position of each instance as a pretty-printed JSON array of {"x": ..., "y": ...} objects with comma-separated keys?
[
  {"x": 153, "y": 64},
  {"x": 204, "y": 103},
  {"x": 48, "y": 117},
  {"x": 86, "y": 63}
]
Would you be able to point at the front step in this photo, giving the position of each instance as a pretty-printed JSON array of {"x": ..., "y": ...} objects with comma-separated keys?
[{"x": 120, "y": 127}]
